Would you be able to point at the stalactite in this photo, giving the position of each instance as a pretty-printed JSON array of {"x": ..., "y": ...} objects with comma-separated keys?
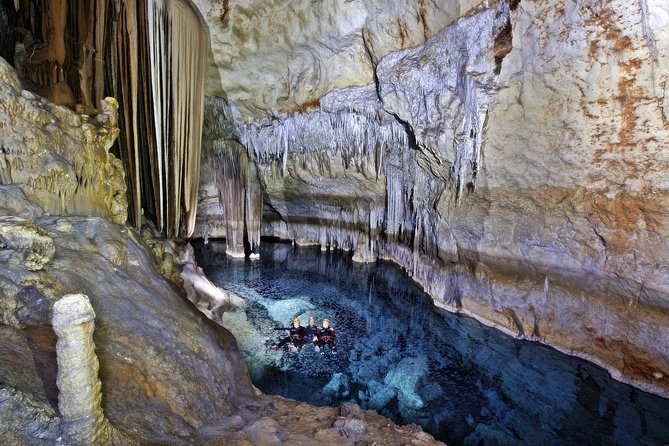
[
  {"x": 84, "y": 51},
  {"x": 151, "y": 56},
  {"x": 428, "y": 149},
  {"x": 157, "y": 37},
  {"x": 231, "y": 178},
  {"x": 126, "y": 77},
  {"x": 188, "y": 46},
  {"x": 101, "y": 10},
  {"x": 161, "y": 51},
  {"x": 357, "y": 137},
  {"x": 45, "y": 61},
  {"x": 395, "y": 204},
  {"x": 240, "y": 195},
  {"x": 86, "y": 67},
  {"x": 468, "y": 139},
  {"x": 146, "y": 120},
  {"x": 253, "y": 208},
  {"x": 8, "y": 31},
  {"x": 350, "y": 128}
]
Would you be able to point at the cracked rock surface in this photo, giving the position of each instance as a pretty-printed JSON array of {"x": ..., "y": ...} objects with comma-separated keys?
[{"x": 277, "y": 55}]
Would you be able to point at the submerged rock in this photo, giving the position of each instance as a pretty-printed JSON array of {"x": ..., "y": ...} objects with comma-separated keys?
[
  {"x": 404, "y": 378},
  {"x": 352, "y": 410},
  {"x": 380, "y": 395},
  {"x": 337, "y": 387},
  {"x": 282, "y": 311},
  {"x": 350, "y": 427}
]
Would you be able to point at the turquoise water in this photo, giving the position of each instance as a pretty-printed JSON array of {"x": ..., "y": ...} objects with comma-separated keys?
[{"x": 463, "y": 382}]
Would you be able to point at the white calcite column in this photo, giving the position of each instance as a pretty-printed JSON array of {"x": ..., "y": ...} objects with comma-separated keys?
[{"x": 80, "y": 394}]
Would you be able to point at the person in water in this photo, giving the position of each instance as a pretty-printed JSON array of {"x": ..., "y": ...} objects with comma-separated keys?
[
  {"x": 311, "y": 331},
  {"x": 326, "y": 336},
  {"x": 295, "y": 338}
]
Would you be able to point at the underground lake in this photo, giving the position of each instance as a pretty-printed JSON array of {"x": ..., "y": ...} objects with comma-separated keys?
[{"x": 398, "y": 354}]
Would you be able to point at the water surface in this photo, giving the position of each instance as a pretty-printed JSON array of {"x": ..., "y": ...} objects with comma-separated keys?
[{"x": 463, "y": 382}]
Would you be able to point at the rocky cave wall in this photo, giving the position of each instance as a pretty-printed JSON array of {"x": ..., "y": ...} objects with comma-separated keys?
[
  {"x": 55, "y": 163},
  {"x": 151, "y": 57},
  {"x": 132, "y": 361},
  {"x": 279, "y": 55},
  {"x": 515, "y": 163},
  {"x": 58, "y": 158}
]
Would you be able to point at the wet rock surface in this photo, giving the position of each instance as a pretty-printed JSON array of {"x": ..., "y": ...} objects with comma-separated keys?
[
  {"x": 25, "y": 243},
  {"x": 24, "y": 421},
  {"x": 159, "y": 358}
]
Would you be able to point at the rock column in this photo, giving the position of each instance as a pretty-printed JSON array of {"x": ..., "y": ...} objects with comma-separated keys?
[{"x": 78, "y": 384}]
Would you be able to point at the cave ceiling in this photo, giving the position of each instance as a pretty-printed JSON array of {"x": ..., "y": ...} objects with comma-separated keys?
[{"x": 269, "y": 56}]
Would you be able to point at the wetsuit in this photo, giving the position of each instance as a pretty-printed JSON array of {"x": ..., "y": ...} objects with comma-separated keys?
[
  {"x": 326, "y": 336},
  {"x": 310, "y": 333},
  {"x": 296, "y": 337}
]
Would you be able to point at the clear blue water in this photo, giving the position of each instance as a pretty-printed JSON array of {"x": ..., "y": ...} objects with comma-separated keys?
[{"x": 465, "y": 383}]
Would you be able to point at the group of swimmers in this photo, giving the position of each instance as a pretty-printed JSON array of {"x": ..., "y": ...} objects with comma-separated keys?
[{"x": 321, "y": 337}]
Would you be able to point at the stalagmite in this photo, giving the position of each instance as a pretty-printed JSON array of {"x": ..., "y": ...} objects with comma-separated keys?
[{"x": 79, "y": 399}]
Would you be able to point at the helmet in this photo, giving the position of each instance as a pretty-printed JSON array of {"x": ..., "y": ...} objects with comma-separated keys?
[{"x": 296, "y": 319}]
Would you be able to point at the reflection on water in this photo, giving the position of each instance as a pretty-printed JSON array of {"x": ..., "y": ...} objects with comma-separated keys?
[{"x": 463, "y": 382}]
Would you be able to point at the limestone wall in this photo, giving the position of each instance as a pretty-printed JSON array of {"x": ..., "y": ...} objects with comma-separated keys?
[
  {"x": 59, "y": 158},
  {"x": 527, "y": 185},
  {"x": 278, "y": 55},
  {"x": 575, "y": 184}
]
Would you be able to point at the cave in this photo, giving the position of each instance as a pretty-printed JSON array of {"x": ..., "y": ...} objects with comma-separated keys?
[{"x": 473, "y": 193}]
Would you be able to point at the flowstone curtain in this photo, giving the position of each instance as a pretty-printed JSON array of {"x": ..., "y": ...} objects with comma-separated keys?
[{"x": 161, "y": 55}]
